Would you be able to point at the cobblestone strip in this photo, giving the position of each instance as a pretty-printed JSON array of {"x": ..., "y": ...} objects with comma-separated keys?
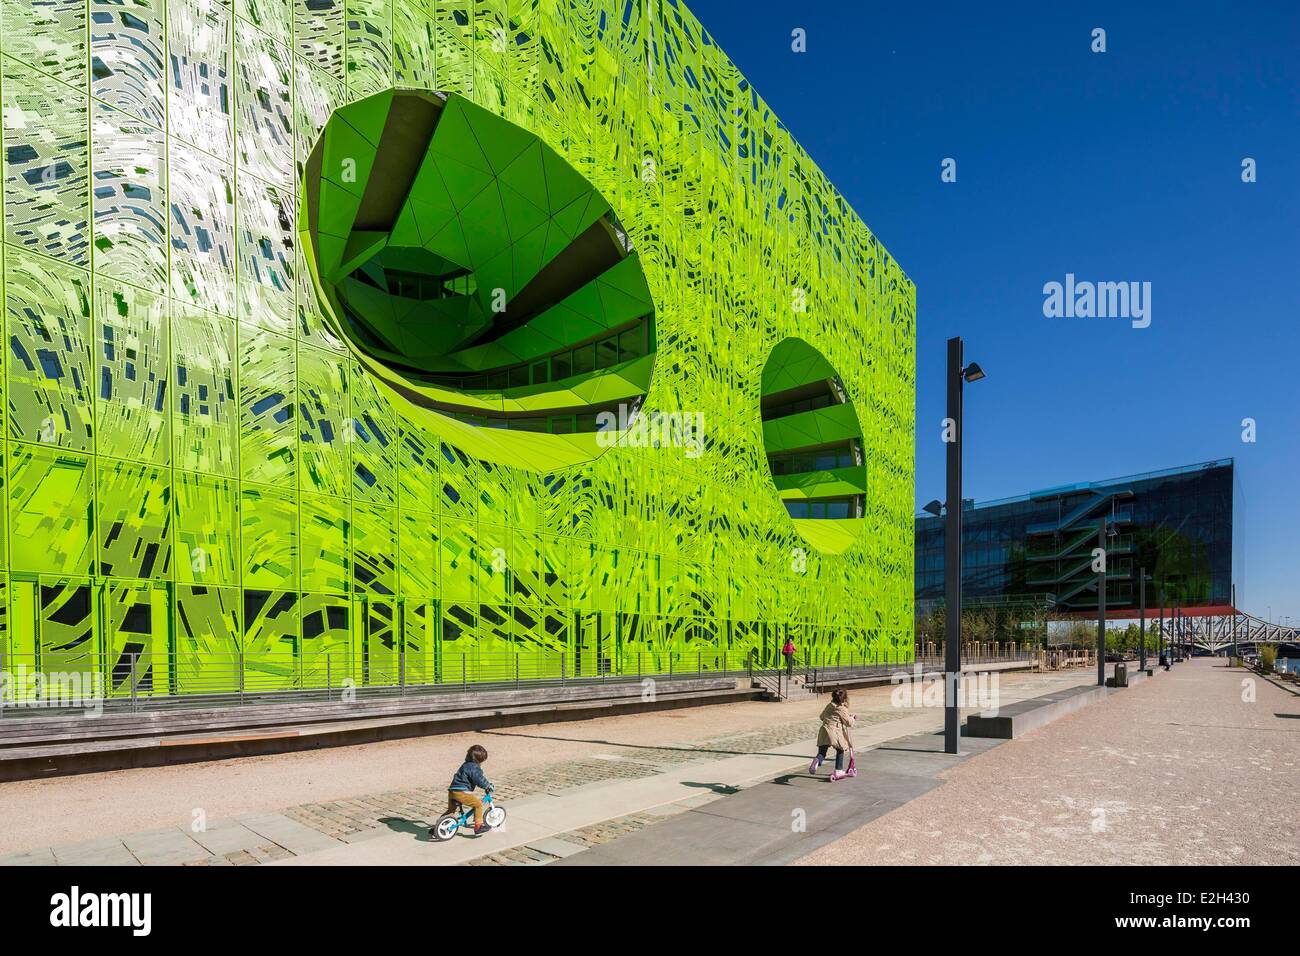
[
  {"x": 608, "y": 830},
  {"x": 586, "y": 837},
  {"x": 343, "y": 818}
]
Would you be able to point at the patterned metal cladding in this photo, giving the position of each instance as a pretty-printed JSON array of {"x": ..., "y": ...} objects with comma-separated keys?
[{"x": 196, "y": 466}]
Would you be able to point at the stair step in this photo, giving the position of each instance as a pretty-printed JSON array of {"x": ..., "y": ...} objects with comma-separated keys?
[{"x": 792, "y": 689}]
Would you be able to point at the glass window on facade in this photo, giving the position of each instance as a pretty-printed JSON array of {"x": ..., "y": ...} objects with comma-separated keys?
[
  {"x": 607, "y": 353},
  {"x": 630, "y": 344}
]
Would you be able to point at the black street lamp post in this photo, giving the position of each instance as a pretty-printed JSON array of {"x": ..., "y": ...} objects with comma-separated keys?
[
  {"x": 1234, "y": 624},
  {"x": 1101, "y": 603},
  {"x": 1161, "y": 632},
  {"x": 1142, "y": 618},
  {"x": 958, "y": 375}
]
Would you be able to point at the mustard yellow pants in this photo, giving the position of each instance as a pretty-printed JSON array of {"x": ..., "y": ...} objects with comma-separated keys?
[{"x": 459, "y": 798}]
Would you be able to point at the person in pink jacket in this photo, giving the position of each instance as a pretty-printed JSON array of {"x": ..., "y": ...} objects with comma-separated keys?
[{"x": 789, "y": 650}]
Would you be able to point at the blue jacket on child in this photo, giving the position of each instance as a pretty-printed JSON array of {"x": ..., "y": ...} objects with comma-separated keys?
[{"x": 469, "y": 776}]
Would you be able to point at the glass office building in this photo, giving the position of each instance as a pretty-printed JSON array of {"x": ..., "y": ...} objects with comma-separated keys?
[{"x": 1182, "y": 525}]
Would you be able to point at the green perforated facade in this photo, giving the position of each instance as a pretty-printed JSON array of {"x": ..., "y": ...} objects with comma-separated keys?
[{"x": 407, "y": 341}]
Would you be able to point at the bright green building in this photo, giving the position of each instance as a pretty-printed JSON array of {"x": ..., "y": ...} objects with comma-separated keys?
[{"x": 406, "y": 340}]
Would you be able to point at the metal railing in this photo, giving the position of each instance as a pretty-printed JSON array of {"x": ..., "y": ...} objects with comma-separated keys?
[
  {"x": 772, "y": 680},
  {"x": 1066, "y": 658},
  {"x": 63, "y": 681},
  {"x": 821, "y": 678},
  {"x": 54, "y": 682}
]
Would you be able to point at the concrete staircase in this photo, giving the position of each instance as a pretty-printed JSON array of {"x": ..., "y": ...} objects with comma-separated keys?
[
  {"x": 781, "y": 688},
  {"x": 799, "y": 691}
]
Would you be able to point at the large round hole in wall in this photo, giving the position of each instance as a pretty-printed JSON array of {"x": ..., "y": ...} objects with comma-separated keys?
[
  {"x": 813, "y": 442},
  {"x": 482, "y": 280}
]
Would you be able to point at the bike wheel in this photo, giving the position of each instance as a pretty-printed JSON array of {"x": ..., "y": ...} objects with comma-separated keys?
[
  {"x": 446, "y": 827},
  {"x": 495, "y": 817}
]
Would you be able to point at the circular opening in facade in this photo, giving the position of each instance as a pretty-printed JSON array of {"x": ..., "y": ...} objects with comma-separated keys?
[
  {"x": 814, "y": 445},
  {"x": 478, "y": 276}
]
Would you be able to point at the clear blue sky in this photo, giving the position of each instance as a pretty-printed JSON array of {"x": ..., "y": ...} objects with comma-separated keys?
[{"x": 1121, "y": 166}]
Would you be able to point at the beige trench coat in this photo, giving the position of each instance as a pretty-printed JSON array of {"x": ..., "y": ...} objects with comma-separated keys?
[{"x": 834, "y": 732}]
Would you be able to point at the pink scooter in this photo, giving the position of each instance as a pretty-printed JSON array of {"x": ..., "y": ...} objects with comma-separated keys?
[
  {"x": 851, "y": 772},
  {"x": 838, "y": 774}
]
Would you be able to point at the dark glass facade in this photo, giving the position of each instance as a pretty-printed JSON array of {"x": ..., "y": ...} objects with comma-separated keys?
[{"x": 1178, "y": 524}]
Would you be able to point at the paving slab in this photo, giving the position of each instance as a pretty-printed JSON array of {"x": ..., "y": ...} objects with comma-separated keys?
[
  {"x": 290, "y": 834},
  {"x": 227, "y": 836},
  {"x": 554, "y": 846},
  {"x": 39, "y": 857},
  {"x": 105, "y": 851},
  {"x": 168, "y": 846}
]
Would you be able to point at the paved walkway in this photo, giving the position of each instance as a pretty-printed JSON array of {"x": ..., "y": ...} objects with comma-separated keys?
[
  {"x": 1200, "y": 765},
  {"x": 551, "y": 826},
  {"x": 780, "y": 820},
  {"x": 556, "y": 809}
]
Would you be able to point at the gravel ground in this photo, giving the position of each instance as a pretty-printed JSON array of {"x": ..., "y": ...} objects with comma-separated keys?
[
  {"x": 1177, "y": 770},
  {"x": 62, "y": 810}
]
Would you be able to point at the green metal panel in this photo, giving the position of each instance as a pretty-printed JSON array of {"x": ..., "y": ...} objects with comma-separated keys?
[{"x": 199, "y": 462}]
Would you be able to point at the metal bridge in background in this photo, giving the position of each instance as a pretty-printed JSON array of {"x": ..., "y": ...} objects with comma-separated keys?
[{"x": 1215, "y": 633}]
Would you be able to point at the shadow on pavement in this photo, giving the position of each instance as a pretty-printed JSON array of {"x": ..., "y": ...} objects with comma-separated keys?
[
  {"x": 789, "y": 779},
  {"x": 702, "y": 751},
  {"x": 415, "y": 828}
]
